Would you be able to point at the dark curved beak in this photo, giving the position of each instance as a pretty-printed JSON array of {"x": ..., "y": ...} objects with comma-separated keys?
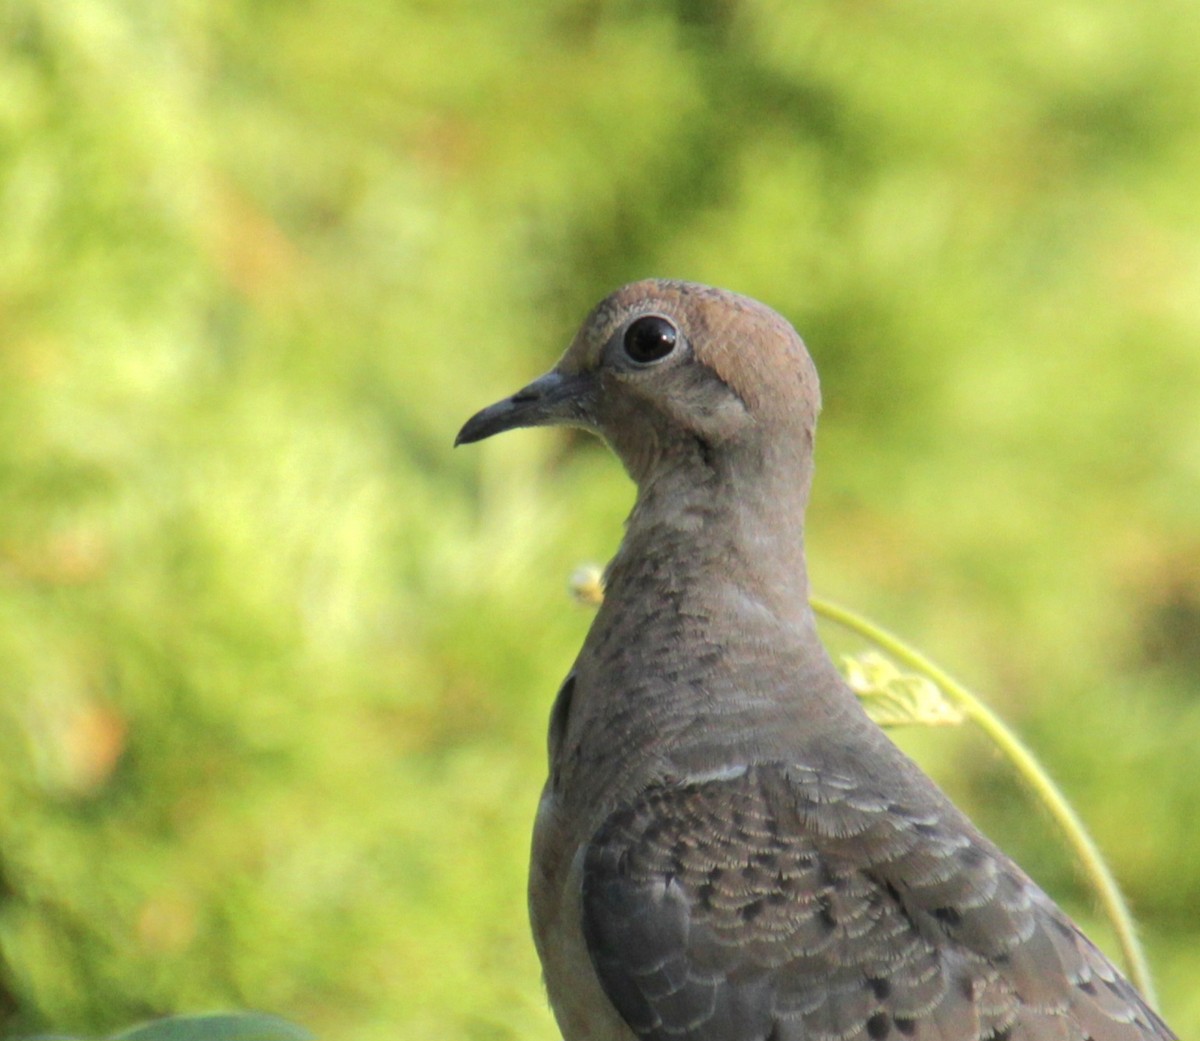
[{"x": 556, "y": 399}]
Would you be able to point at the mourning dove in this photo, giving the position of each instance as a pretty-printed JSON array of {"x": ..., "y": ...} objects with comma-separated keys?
[{"x": 727, "y": 848}]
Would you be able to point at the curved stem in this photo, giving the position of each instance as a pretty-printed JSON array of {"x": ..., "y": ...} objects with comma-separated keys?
[{"x": 1095, "y": 870}]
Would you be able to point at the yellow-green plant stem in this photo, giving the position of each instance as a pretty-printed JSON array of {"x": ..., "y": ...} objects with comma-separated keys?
[{"x": 1094, "y": 867}]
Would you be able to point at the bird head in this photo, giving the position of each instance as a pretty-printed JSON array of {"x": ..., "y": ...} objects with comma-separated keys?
[{"x": 674, "y": 375}]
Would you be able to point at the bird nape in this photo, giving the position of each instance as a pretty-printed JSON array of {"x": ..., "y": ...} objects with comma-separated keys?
[{"x": 727, "y": 848}]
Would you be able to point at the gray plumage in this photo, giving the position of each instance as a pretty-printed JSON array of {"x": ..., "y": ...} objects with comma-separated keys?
[{"x": 727, "y": 848}]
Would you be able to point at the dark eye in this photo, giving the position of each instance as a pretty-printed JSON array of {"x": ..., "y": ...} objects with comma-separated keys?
[{"x": 650, "y": 338}]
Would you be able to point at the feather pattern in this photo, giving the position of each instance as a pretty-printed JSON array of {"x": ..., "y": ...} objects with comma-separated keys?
[{"x": 788, "y": 904}]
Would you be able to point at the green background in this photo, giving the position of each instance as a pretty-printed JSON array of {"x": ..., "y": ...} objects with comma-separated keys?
[{"x": 275, "y": 663}]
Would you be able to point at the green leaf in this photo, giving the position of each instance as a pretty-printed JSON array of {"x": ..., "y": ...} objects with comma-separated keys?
[
  {"x": 224, "y": 1026},
  {"x": 893, "y": 697}
]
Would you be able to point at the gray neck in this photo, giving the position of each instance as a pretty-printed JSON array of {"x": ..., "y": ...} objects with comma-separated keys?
[
  {"x": 705, "y": 632},
  {"x": 726, "y": 523}
]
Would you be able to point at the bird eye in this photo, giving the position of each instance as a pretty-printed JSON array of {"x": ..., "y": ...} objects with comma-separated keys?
[{"x": 650, "y": 338}]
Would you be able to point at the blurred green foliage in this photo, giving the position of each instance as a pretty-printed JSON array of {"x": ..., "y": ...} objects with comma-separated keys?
[
  {"x": 274, "y": 664},
  {"x": 238, "y": 1026}
]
